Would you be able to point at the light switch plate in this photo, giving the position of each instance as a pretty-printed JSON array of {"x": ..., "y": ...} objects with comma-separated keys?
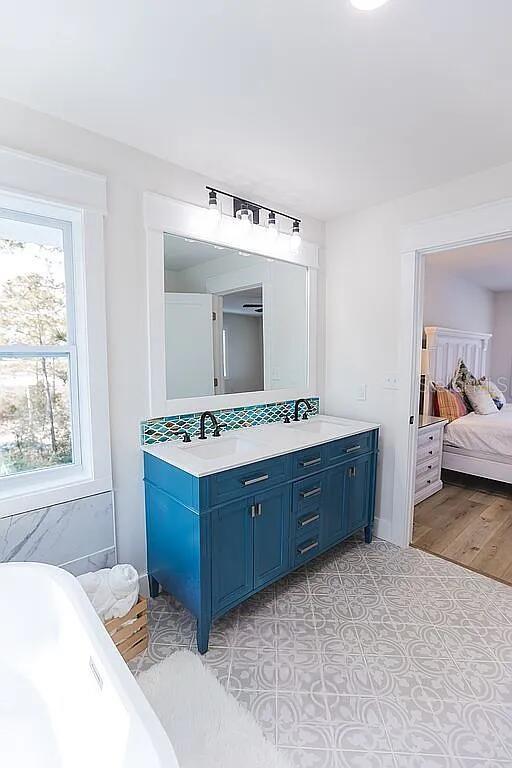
[{"x": 361, "y": 391}]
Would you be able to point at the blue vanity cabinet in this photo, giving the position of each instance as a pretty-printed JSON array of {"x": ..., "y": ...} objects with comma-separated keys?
[{"x": 214, "y": 541}]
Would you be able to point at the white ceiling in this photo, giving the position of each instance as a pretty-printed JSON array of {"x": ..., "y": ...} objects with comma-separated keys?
[
  {"x": 488, "y": 265},
  {"x": 314, "y": 105},
  {"x": 182, "y": 253}
]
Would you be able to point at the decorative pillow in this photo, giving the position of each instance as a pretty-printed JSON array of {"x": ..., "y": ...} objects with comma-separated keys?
[
  {"x": 494, "y": 391},
  {"x": 463, "y": 378},
  {"x": 450, "y": 404},
  {"x": 480, "y": 399}
]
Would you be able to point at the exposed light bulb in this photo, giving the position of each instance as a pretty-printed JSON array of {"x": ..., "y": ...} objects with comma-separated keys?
[
  {"x": 272, "y": 228},
  {"x": 244, "y": 216},
  {"x": 295, "y": 240},
  {"x": 367, "y": 5},
  {"x": 213, "y": 206}
]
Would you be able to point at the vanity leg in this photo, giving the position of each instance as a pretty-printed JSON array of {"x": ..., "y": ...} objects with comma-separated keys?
[
  {"x": 203, "y": 634},
  {"x": 154, "y": 587},
  {"x": 368, "y": 533}
]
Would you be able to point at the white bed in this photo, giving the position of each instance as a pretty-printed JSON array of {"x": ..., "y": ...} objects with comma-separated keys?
[{"x": 474, "y": 445}]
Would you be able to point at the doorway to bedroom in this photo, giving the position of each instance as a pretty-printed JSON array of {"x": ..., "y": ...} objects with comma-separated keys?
[{"x": 463, "y": 473}]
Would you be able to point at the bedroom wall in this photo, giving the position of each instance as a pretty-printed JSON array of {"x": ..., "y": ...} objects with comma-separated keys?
[
  {"x": 129, "y": 173},
  {"x": 363, "y": 284},
  {"x": 453, "y": 301},
  {"x": 501, "y": 357}
]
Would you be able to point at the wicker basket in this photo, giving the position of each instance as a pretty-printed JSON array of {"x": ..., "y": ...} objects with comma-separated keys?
[{"x": 130, "y": 632}]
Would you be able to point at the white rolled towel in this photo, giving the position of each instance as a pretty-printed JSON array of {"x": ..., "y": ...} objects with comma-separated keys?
[{"x": 112, "y": 591}]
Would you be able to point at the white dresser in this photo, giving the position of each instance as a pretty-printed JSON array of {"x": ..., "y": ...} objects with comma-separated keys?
[{"x": 428, "y": 457}]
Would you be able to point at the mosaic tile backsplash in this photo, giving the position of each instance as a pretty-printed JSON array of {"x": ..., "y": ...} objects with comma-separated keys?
[{"x": 169, "y": 427}]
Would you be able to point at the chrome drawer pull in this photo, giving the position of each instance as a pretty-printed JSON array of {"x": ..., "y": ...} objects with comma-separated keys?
[
  {"x": 308, "y": 521},
  {"x": 354, "y": 448},
  {"x": 303, "y": 551},
  {"x": 312, "y": 492},
  {"x": 311, "y": 462},
  {"x": 253, "y": 480}
]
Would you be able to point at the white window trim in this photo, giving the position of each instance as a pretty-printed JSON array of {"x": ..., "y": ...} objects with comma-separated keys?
[
  {"x": 80, "y": 200},
  {"x": 167, "y": 215}
]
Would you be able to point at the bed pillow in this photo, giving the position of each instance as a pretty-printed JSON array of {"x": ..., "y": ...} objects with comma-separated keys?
[
  {"x": 494, "y": 391},
  {"x": 450, "y": 404},
  {"x": 480, "y": 399}
]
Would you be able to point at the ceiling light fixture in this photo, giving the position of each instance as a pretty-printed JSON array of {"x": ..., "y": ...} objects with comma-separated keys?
[
  {"x": 367, "y": 5},
  {"x": 296, "y": 239}
]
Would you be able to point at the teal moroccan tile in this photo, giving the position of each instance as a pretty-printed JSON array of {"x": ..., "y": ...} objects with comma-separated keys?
[{"x": 169, "y": 427}]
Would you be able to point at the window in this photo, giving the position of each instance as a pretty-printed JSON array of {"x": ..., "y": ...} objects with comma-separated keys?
[
  {"x": 54, "y": 426},
  {"x": 39, "y": 426}
]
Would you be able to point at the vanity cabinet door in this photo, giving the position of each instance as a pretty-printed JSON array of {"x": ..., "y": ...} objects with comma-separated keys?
[
  {"x": 348, "y": 505},
  {"x": 357, "y": 494},
  {"x": 232, "y": 550},
  {"x": 271, "y": 535}
]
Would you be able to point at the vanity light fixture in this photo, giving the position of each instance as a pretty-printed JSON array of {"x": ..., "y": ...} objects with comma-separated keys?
[
  {"x": 213, "y": 205},
  {"x": 296, "y": 238},
  {"x": 245, "y": 217},
  {"x": 272, "y": 228},
  {"x": 247, "y": 213},
  {"x": 367, "y": 5}
]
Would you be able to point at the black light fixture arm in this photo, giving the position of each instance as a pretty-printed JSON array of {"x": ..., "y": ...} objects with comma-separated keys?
[{"x": 254, "y": 205}]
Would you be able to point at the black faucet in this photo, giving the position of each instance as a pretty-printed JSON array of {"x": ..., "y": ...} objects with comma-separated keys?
[
  {"x": 296, "y": 409},
  {"x": 215, "y": 425}
]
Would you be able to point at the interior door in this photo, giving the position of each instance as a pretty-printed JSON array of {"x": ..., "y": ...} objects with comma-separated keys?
[
  {"x": 271, "y": 535},
  {"x": 189, "y": 344}
]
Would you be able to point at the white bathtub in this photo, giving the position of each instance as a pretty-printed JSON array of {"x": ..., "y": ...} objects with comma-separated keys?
[{"x": 66, "y": 696}]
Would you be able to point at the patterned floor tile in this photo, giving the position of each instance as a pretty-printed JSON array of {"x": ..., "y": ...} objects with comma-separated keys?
[{"x": 368, "y": 657}]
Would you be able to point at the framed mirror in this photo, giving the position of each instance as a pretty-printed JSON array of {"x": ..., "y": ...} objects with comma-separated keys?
[{"x": 228, "y": 325}]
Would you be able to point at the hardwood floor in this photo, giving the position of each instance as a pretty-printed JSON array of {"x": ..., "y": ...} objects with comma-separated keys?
[{"x": 469, "y": 522}]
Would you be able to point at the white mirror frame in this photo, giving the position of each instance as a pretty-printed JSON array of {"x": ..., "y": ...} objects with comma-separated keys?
[{"x": 167, "y": 215}]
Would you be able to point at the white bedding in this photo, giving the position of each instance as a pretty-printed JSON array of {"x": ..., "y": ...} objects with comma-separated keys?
[{"x": 488, "y": 434}]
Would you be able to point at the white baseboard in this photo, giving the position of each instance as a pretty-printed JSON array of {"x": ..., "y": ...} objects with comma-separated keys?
[
  {"x": 144, "y": 585},
  {"x": 382, "y": 529}
]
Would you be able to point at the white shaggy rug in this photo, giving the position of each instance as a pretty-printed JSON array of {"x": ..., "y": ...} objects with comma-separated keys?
[{"x": 206, "y": 725}]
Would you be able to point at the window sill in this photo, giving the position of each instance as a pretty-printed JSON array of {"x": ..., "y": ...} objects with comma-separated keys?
[{"x": 51, "y": 494}]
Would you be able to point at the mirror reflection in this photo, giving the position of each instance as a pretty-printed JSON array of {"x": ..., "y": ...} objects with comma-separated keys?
[{"x": 234, "y": 321}]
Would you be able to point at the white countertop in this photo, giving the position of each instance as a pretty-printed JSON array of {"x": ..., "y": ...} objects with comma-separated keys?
[{"x": 238, "y": 447}]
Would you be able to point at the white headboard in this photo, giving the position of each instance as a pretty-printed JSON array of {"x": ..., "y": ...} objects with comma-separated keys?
[{"x": 444, "y": 347}]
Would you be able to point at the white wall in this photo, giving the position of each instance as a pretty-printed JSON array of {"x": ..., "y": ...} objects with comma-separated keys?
[
  {"x": 453, "y": 301},
  {"x": 244, "y": 353},
  {"x": 129, "y": 173},
  {"x": 501, "y": 356},
  {"x": 363, "y": 306}
]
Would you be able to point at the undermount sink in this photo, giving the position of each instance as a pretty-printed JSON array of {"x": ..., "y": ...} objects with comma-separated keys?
[
  {"x": 316, "y": 426},
  {"x": 217, "y": 448}
]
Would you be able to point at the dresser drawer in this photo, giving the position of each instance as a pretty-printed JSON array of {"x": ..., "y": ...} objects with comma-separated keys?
[
  {"x": 428, "y": 438},
  {"x": 247, "y": 480},
  {"x": 349, "y": 447},
  {"x": 427, "y": 452},
  {"x": 308, "y": 461},
  {"x": 431, "y": 465},
  {"x": 425, "y": 481}
]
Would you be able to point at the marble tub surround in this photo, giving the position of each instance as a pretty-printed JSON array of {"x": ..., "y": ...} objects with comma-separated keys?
[
  {"x": 78, "y": 535},
  {"x": 168, "y": 427},
  {"x": 369, "y": 656},
  {"x": 251, "y": 444}
]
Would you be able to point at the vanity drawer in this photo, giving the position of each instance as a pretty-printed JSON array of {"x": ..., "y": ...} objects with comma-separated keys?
[
  {"x": 308, "y": 461},
  {"x": 349, "y": 447},
  {"x": 309, "y": 493},
  {"x": 247, "y": 480},
  {"x": 305, "y": 550}
]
